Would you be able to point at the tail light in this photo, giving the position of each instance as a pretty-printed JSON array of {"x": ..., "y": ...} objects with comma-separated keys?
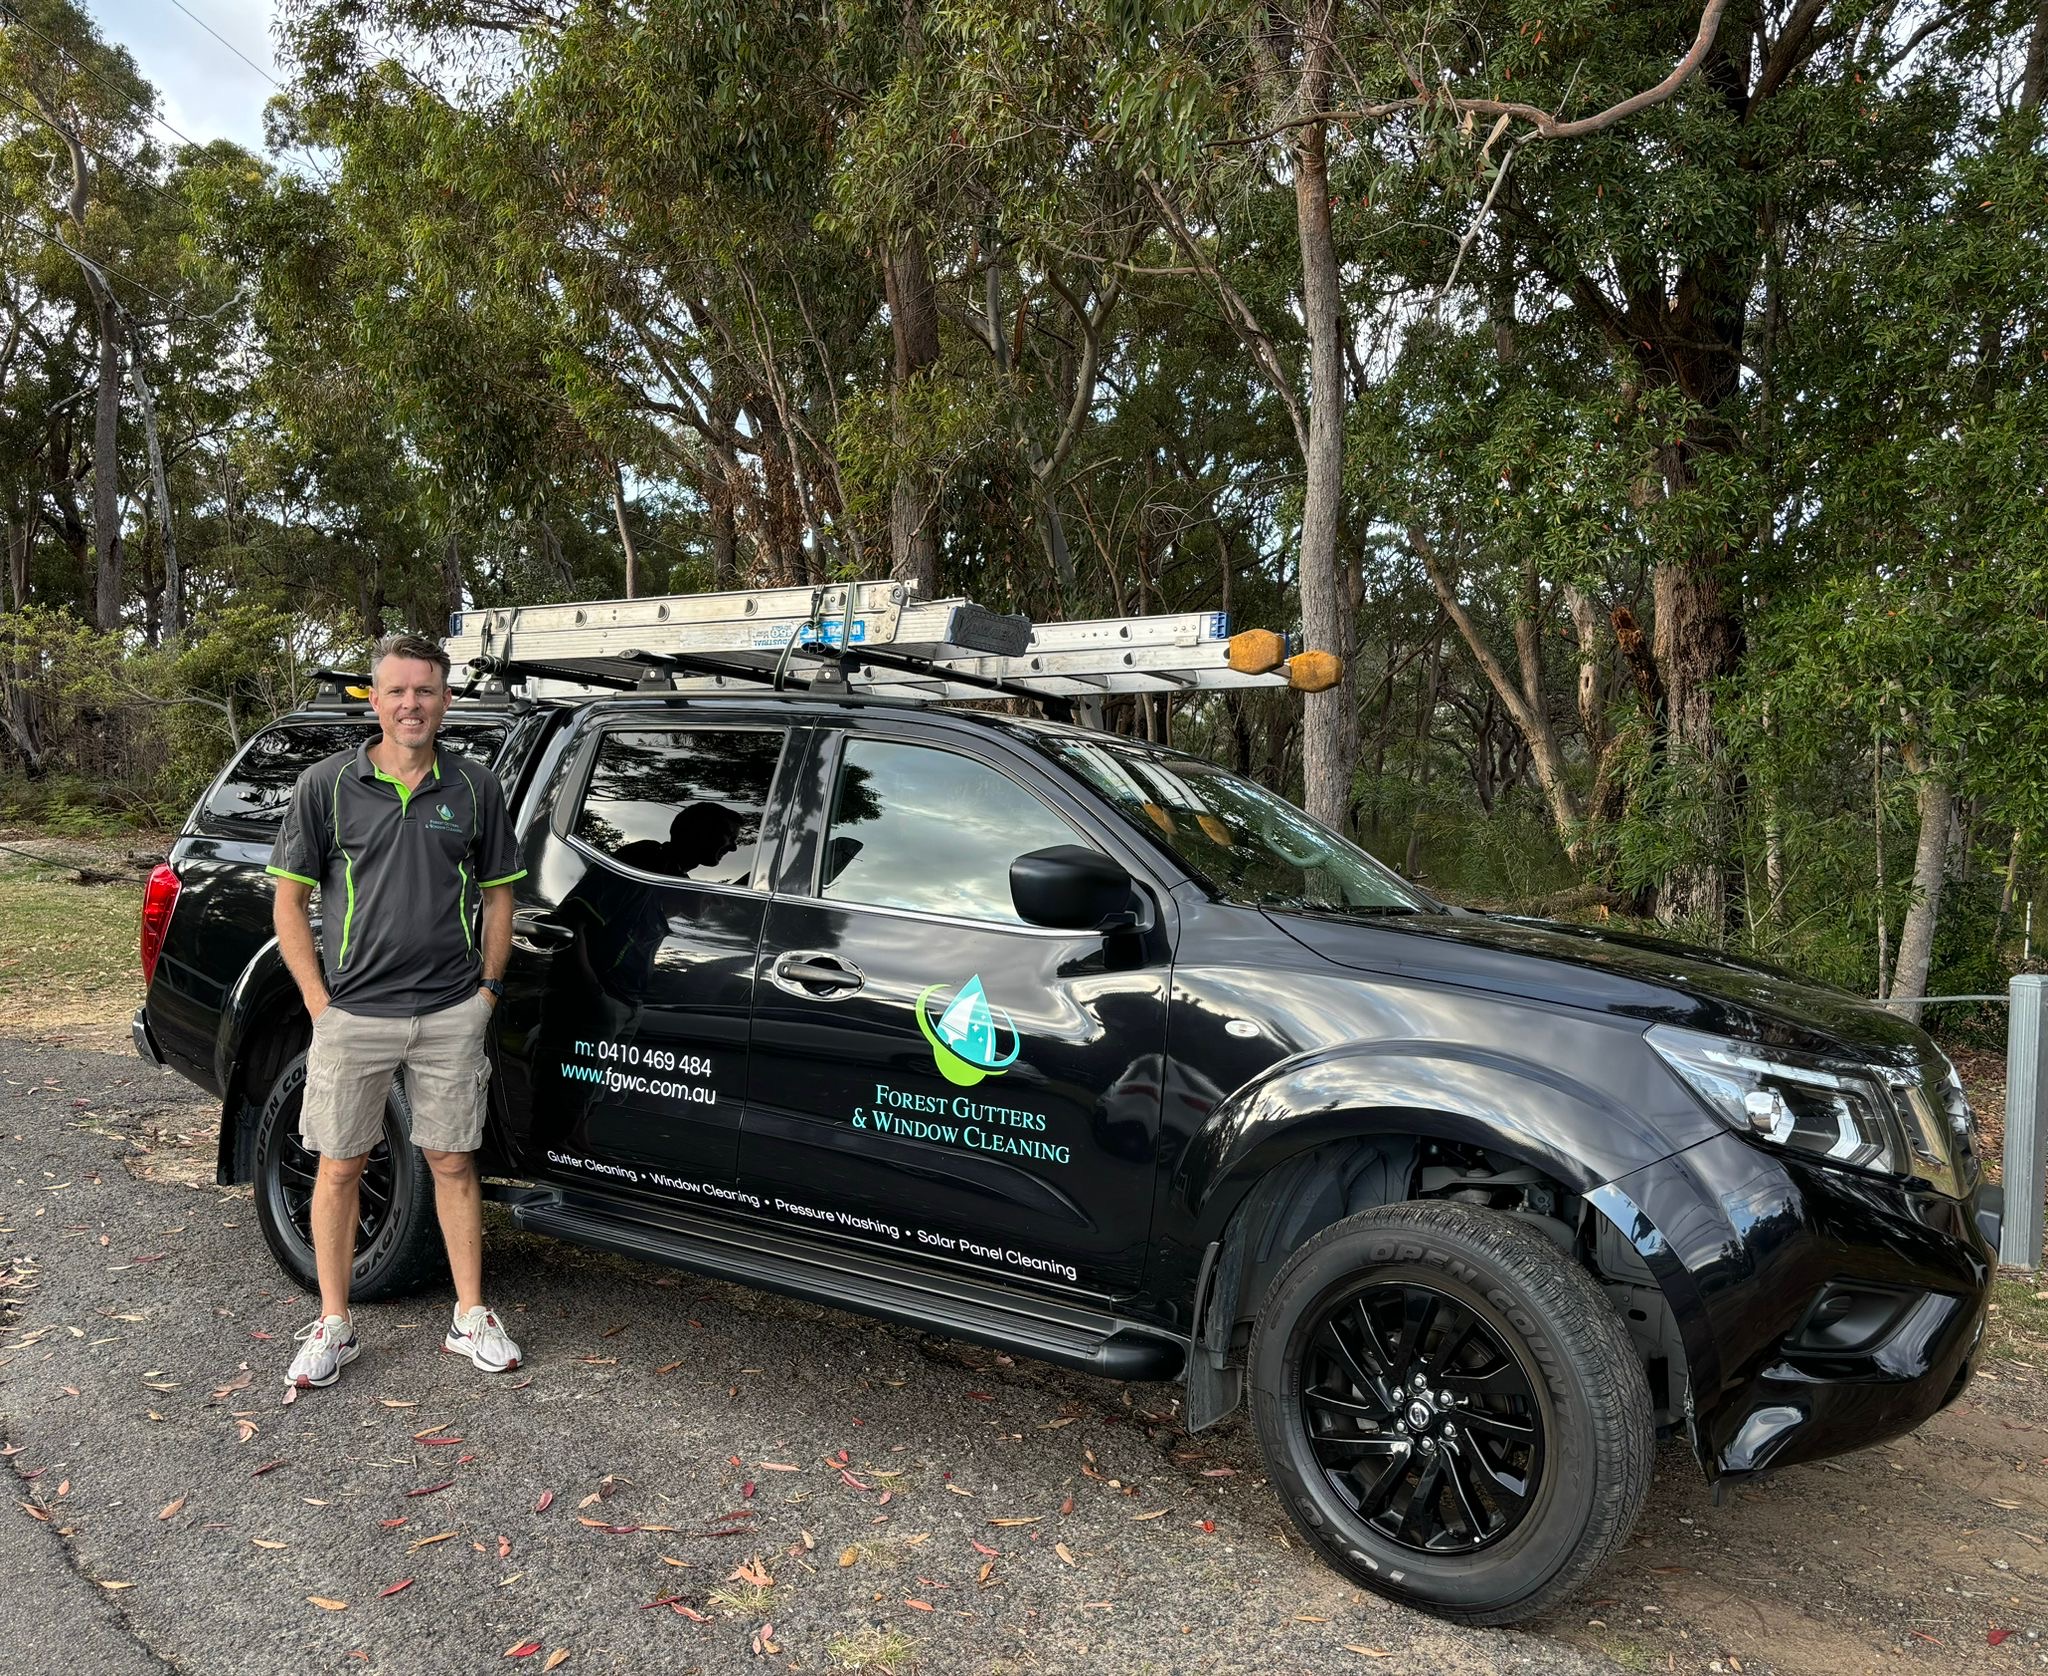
[{"x": 159, "y": 897}]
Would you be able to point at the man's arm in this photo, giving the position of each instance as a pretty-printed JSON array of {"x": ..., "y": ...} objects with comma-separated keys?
[
  {"x": 497, "y": 932},
  {"x": 295, "y": 941}
]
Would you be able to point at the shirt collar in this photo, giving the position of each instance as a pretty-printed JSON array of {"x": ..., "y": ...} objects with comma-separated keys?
[{"x": 365, "y": 769}]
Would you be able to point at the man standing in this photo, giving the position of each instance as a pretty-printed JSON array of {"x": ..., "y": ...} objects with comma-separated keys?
[{"x": 404, "y": 842}]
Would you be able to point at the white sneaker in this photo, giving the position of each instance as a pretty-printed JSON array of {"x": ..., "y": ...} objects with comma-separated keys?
[
  {"x": 325, "y": 1348},
  {"x": 479, "y": 1336}
]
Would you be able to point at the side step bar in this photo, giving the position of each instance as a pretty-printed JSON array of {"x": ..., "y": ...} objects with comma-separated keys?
[{"x": 854, "y": 1280}]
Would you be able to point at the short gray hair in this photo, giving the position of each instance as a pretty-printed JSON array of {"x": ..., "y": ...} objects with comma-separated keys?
[{"x": 406, "y": 644}]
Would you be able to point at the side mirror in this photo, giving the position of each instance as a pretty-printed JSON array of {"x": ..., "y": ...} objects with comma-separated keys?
[{"x": 1071, "y": 888}]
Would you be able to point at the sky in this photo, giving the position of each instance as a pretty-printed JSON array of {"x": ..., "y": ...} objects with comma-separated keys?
[{"x": 204, "y": 88}]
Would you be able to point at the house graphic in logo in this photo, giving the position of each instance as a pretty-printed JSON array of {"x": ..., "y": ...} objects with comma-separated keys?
[{"x": 965, "y": 1039}]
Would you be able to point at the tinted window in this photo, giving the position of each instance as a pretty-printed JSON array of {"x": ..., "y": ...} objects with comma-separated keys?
[
  {"x": 930, "y": 830},
  {"x": 683, "y": 803},
  {"x": 1252, "y": 846},
  {"x": 256, "y": 790}
]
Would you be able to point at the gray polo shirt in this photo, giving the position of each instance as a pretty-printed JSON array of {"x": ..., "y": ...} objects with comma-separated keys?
[{"x": 401, "y": 876}]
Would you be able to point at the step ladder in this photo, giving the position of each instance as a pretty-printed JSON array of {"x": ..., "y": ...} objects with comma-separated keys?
[{"x": 870, "y": 638}]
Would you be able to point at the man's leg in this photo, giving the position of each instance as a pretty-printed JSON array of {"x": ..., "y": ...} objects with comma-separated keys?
[
  {"x": 337, "y": 1199},
  {"x": 459, "y": 1202}
]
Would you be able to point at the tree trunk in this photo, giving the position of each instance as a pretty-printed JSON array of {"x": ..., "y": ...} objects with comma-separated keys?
[
  {"x": 173, "y": 621},
  {"x": 451, "y": 569},
  {"x": 914, "y": 324},
  {"x": 1329, "y": 721},
  {"x": 106, "y": 469},
  {"x": 1930, "y": 868},
  {"x": 625, "y": 535},
  {"x": 1696, "y": 642}
]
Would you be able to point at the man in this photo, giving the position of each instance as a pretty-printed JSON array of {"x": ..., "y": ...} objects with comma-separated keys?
[{"x": 404, "y": 841}]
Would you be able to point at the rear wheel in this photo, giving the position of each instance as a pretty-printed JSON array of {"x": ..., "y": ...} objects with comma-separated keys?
[
  {"x": 398, "y": 1245},
  {"x": 1450, "y": 1410}
]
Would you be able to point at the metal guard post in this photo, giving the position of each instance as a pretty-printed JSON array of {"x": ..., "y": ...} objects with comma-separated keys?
[{"x": 2026, "y": 1122}]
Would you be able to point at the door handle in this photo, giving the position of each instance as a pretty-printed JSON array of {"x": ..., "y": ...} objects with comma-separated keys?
[
  {"x": 538, "y": 934},
  {"x": 817, "y": 977}
]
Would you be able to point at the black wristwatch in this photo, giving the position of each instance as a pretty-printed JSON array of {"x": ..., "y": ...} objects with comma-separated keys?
[{"x": 496, "y": 986}]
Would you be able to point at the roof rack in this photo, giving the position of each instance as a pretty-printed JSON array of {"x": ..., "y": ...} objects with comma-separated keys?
[{"x": 871, "y": 638}]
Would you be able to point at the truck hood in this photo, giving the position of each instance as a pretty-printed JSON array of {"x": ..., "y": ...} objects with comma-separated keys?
[{"x": 1613, "y": 972}]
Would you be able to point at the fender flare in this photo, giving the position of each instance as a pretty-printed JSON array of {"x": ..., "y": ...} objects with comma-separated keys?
[
  {"x": 265, "y": 984},
  {"x": 1416, "y": 1090}
]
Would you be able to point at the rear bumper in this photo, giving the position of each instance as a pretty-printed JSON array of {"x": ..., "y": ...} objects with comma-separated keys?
[
  {"x": 145, "y": 1043},
  {"x": 1821, "y": 1310}
]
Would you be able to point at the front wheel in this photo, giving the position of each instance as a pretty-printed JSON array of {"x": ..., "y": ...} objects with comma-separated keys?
[
  {"x": 1450, "y": 1410},
  {"x": 398, "y": 1245}
]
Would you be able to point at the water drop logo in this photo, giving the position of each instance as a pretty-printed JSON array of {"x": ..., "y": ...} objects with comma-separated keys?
[
  {"x": 446, "y": 813},
  {"x": 965, "y": 1039}
]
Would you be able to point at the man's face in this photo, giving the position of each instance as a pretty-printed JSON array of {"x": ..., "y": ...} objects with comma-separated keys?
[{"x": 410, "y": 699}]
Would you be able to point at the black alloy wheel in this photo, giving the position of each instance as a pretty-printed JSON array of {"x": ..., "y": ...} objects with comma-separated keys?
[
  {"x": 296, "y": 1170},
  {"x": 1422, "y": 1418},
  {"x": 1451, "y": 1410},
  {"x": 398, "y": 1240}
]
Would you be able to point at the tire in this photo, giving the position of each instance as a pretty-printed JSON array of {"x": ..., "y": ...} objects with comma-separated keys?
[
  {"x": 398, "y": 1241},
  {"x": 1490, "y": 1506}
]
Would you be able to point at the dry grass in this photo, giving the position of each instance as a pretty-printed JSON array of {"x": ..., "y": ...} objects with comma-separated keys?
[{"x": 69, "y": 958}]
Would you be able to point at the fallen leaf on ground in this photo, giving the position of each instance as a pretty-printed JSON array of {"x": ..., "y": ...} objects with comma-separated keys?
[
  {"x": 659, "y": 1600},
  {"x": 547, "y": 1500},
  {"x": 780, "y": 1466},
  {"x": 1140, "y": 1518},
  {"x": 106, "y": 1585},
  {"x": 955, "y": 1488},
  {"x": 393, "y": 1524},
  {"x": 427, "y": 1542},
  {"x": 397, "y": 1402},
  {"x": 848, "y": 1555},
  {"x": 684, "y": 1564},
  {"x": 556, "y": 1659},
  {"x": 173, "y": 1509},
  {"x": 35, "y": 1512},
  {"x": 1066, "y": 1507},
  {"x": 432, "y": 1489},
  {"x": 247, "y": 1429},
  {"x": 920, "y": 1605},
  {"x": 691, "y": 1613},
  {"x": 504, "y": 1547},
  {"x": 265, "y": 1542},
  {"x": 402, "y": 1583},
  {"x": 1030, "y": 1521},
  {"x": 1366, "y": 1652},
  {"x": 240, "y": 1382},
  {"x": 522, "y": 1650},
  {"x": 752, "y": 1573},
  {"x": 984, "y": 1548},
  {"x": 327, "y": 1605},
  {"x": 1065, "y": 1553}
]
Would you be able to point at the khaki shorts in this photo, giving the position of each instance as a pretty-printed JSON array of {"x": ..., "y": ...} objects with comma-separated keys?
[{"x": 348, "y": 1077}]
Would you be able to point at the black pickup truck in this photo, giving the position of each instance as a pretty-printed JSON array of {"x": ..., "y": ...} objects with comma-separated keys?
[{"x": 1085, "y": 1048}]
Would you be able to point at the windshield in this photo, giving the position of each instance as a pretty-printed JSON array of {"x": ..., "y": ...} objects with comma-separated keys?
[{"x": 1248, "y": 845}]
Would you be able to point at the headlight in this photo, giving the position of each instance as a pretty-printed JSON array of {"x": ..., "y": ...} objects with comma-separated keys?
[{"x": 1836, "y": 1110}]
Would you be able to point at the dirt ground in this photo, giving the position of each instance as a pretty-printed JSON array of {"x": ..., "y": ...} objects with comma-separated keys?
[{"x": 1928, "y": 1553}]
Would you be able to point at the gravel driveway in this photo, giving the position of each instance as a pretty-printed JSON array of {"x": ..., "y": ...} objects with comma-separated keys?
[{"x": 683, "y": 1476}]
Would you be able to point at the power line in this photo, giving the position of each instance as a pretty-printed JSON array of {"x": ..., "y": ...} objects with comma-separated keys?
[
  {"x": 86, "y": 69},
  {"x": 230, "y": 45}
]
